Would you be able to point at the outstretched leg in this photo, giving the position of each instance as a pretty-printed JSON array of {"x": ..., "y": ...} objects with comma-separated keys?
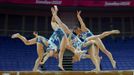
[
  {"x": 24, "y": 40},
  {"x": 103, "y": 35},
  {"x": 58, "y": 21},
  {"x": 107, "y": 33}
]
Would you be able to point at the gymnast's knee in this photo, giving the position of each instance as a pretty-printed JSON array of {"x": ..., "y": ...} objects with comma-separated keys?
[
  {"x": 92, "y": 42},
  {"x": 51, "y": 53}
]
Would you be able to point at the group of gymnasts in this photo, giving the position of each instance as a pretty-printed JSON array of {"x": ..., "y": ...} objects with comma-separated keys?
[{"x": 80, "y": 41}]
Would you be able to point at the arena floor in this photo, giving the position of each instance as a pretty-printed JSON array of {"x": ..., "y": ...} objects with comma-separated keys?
[{"x": 67, "y": 73}]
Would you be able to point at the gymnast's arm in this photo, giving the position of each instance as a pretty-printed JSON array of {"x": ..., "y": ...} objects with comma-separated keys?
[{"x": 82, "y": 24}]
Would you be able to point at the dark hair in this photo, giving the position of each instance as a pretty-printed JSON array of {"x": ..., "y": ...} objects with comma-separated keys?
[
  {"x": 74, "y": 33},
  {"x": 76, "y": 27},
  {"x": 35, "y": 32}
]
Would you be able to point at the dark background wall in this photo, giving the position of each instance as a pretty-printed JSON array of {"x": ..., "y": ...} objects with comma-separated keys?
[{"x": 28, "y": 18}]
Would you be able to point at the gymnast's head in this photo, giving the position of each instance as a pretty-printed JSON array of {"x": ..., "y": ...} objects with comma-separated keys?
[
  {"x": 77, "y": 30},
  {"x": 35, "y": 33}
]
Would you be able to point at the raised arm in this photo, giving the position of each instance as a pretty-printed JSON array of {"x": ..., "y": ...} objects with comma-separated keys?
[{"x": 82, "y": 24}]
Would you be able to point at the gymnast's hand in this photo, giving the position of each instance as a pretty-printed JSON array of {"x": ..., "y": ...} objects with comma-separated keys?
[{"x": 78, "y": 13}]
